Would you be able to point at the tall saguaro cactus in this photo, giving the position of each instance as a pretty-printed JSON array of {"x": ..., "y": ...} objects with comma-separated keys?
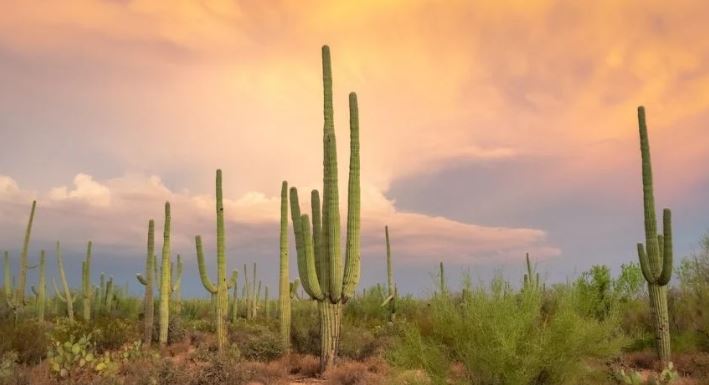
[
  {"x": 165, "y": 279},
  {"x": 320, "y": 264},
  {"x": 86, "y": 289},
  {"x": 284, "y": 299},
  {"x": 147, "y": 281},
  {"x": 221, "y": 287},
  {"x": 235, "y": 296},
  {"x": 656, "y": 255},
  {"x": 22, "y": 277},
  {"x": 68, "y": 298}
]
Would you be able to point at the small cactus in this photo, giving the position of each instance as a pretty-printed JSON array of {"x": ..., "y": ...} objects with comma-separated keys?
[
  {"x": 86, "y": 291},
  {"x": 67, "y": 298},
  {"x": 147, "y": 281}
]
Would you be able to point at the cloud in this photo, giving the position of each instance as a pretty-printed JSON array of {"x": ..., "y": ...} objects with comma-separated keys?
[
  {"x": 85, "y": 189},
  {"x": 115, "y": 212}
]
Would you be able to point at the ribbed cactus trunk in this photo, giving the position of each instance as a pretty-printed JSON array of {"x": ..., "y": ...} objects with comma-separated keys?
[
  {"x": 147, "y": 281},
  {"x": 108, "y": 296},
  {"x": 284, "y": 296},
  {"x": 320, "y": 264},
  {"x": 177, "y": 287},
  {"x": 220, "y": 289},
  {"x": 86, "y": 289},
  {"x": 165, "y": 280},
  {"x": 235, "y": 297},
  {"x": 67, "y": 293},
  {"x": 656, "y": 255},
  {"x": 391, "y": 298},
  {"x": 22, "y": 276},
  {"x": 41, "y": 287}
]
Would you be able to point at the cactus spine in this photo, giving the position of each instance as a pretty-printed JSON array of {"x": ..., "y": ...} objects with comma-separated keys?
[
  {"x": 86, "y": 289},
  {"x": 320, "y": 264},
  {"x": 147, "y": 281},
  {"x": 656, "y": 255},
  {"x": 22, "y": 277},
  {"x": 220, "y": 289},
  {"x": 165, "y": 279},
  {"x": 284, "y": 289},
  {"x": 68, "y": 298}
]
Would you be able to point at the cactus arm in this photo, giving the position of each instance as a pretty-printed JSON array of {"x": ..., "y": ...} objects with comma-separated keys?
[
  {"x": 352, "y": 251},
  {"x": 645, "y": 264},
  {"x": 322, "y": 264},
  {"x": 310, "y": 279},
  {"x": 667, "y": 253},
  {"x": 203, "y": 275},
  {"x": 141, "y": 279},
  {"x": 67, "y": 292},
  {"x": 387, "y": 300},
  {"x": 57, "y": 292},
  {"x": 22, "y": 278}
]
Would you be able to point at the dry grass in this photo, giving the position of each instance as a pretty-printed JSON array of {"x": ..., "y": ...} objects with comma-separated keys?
[{"x": 370, "y": 372}]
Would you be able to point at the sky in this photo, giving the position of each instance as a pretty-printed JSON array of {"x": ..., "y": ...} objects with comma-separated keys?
[{"x": 489, "y": 129}]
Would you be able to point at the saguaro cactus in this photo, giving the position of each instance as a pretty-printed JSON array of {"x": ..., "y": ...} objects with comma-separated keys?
[
  {"x": 656, "y": 255},
  {"x": 68, "y": 298},
  {"x": 147, "y": 281},
  {"x": 235, "y": 299},
  {"x": 391, "y": 287},
  {"x": 221, "y": 287},
  {"x": 319, "y": 258},
  {"x": 284, "y": 297},
  {"x": 22, "y": 277},
  {"x": 86, "y": 289},
  {"x": 165, "y": 279},
  {"x": 41, "y": 287},
  {"x": 531, "y": 278},
  {"x": 108, "y": 295},
  {"x": 177, "y": 286}
]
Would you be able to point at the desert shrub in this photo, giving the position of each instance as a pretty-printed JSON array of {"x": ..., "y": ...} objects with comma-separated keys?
[
  {"x": 28, "y": 339},
  {"x": 257, "y": 340},
  {"x": 689, "y": 303},
  {"x": 222, "y": 370},
  {"x": 305, "y": 328},
  {"x": 107, "y": 333},
  {"x": 355, "y": 373},
  {"x": 504, "y": 337}
]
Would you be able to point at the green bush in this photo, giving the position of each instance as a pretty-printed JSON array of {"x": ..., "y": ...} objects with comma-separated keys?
[
  {"x": 257, "y": 340},
  {"x": 504, "y": 337},
  {"x": 28, "y": 339}
]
